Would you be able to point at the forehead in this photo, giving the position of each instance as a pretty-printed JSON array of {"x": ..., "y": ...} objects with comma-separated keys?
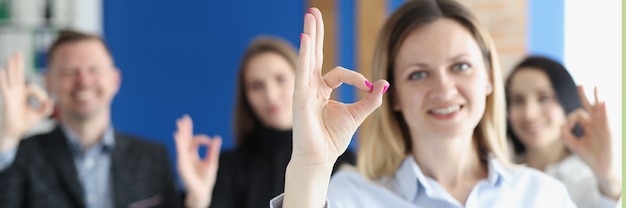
[
  {"x": 81, "y": 52},
  {"x": 438, "y": 41},
  {"x": 267, "y": 64},
  {"x": 529, "y": 79}
]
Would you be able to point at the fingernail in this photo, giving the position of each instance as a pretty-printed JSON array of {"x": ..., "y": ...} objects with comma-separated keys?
[
  {"x": 310, "y": 11},
  {"x": 300, "y": 36},
  {"x": 369, "y": 85},
  {"x": 385, "y": 89}
]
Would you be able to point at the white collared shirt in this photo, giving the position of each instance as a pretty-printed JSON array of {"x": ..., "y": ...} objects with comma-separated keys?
[
  {"x": 409, "y": 187},
  {"x": 579, "y": 180}
]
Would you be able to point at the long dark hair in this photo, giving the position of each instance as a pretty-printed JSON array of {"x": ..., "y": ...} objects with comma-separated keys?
[{"x": 562, "y": 84}]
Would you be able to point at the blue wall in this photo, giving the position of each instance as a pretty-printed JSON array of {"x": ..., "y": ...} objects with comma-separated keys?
[
  {"x": 182, "y": 57},
  {"x": 546, "y": 25}
]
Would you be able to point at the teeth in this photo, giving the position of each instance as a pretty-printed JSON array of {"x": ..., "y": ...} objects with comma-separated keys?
[
  {"x": 83, "y": 95},
  {"x": 447, "y": 110}
]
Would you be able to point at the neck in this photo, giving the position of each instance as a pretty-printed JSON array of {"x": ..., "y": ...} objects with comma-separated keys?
[
  {"x": 453, "y": 162},
  {"x": 449, "y": 160},
  {"x": 540, "y": 157},
  {"x": 88, "y": 130}
]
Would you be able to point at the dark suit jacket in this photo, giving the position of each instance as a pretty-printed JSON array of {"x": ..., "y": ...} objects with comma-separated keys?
[{"x": 43, "y": 174}]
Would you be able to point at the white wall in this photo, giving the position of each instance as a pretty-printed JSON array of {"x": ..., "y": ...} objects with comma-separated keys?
[
  {"x": 593, "y": 54},
  {"x": 26, "y": 15}
]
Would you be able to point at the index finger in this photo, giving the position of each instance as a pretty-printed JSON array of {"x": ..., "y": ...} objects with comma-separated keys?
[
  {"x": 583, "y": 97},
  {"x": 595, "y": 94},
  {"x": 319, "y": 39}
]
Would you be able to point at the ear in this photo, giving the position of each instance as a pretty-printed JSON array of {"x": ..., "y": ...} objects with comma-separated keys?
[
  {"x": 47, "y": 82},
  {"x": 117, "y": 79},
  {"x": 489, "y": 87}
]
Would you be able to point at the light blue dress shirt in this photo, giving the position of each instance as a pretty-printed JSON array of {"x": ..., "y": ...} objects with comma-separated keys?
[
  {"x": 409, "y": 187},
  {"x": 93, "y": 166}
]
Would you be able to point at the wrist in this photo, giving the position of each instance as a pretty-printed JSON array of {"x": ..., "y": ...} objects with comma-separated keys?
[
  {"x": 193, "y": 200},
  {"x": 610, "y": 185},
  {"x": 306, "y": 183}
]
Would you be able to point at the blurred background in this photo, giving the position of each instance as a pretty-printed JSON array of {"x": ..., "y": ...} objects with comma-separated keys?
[{"x": 181, "y": 58}]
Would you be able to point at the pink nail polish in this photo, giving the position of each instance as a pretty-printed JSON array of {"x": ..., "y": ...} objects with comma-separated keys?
[
  {"x": 300, "y": 36},
  {"x": 385, "y": 89},
  {"x": 310, "y": 11},
  {"x": 369, "y": 85}
]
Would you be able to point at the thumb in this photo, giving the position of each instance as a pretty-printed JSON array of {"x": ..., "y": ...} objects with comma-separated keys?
[
  {"x": 572, "y": 142},
  {"x": 214, "y": 150},
  {"x": 364, "y": 107}
]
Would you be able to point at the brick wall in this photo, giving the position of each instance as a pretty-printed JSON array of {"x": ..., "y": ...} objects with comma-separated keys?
[{"x": 506, "y": 22}]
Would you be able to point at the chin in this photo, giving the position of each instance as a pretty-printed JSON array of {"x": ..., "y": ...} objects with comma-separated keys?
[{"x": 280, "y": 126}]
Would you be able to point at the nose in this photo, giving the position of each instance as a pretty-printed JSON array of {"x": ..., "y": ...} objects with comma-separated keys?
[
  {"x": 83, "y": 76},
  {"x": 531, "y": 111},
  {"x": 271, "y": 93},
  {"x": 444, "y": 86}
]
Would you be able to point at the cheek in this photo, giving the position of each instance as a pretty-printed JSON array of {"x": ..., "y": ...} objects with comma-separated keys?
[
  {"x": 287, "y": 91},
  {"x": 256, "y": 100},
  {"x": 557, "y": 115},
  {"x": 515, "y": 115}
]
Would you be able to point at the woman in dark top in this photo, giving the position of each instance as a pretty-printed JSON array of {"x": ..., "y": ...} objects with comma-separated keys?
[{"x": 254, "y": 172}]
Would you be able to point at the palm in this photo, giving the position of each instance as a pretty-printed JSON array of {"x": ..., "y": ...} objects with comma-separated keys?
[
  {"x": 323, "y": 127},
  {"x": 17, "y": 114},
  {"x": 198, "y": 174},
  {"x": 594, "y": 146}
]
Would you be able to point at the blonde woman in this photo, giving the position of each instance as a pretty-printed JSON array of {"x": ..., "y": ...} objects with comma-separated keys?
[{"x": 439, "y": 138}]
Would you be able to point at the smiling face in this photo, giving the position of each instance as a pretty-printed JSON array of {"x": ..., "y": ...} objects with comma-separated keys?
[
  {"x": 535, "y": 114},
  {"x": 269, "y": 80},
  {"x": 441, "y": 81},
  {"x": 82, "y": 79}
]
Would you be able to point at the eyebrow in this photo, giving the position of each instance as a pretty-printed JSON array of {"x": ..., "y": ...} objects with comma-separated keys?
[{"x": 425, "y": 65}]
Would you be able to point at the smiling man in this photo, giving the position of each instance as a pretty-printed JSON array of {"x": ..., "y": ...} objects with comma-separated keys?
[{"x": 83, "y": 162}]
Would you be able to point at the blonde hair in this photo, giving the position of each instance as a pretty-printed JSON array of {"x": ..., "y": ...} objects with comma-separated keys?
[{"x": 385, "y": 140}]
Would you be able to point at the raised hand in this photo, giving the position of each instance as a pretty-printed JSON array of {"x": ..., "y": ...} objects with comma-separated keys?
[
  {"x": 322, "y": 128},
  {"x": 198, "y": 174},
  {"x": 18, "y": 116},
  {"x": 594, "y": 147}
]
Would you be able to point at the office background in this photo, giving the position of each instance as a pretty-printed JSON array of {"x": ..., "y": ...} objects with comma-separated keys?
[{"x": 181, "y": 57}]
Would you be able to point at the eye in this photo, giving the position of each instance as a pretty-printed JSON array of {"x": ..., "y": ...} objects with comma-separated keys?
[
  {"x": 280, "y": 78},
  {"x": 545, "y": 98},
  {"x": 517, "y": 101},
  {"x": 94, "y": 69},
  {"x": 67, "y": 71},
  {"x": 460, "y": 67},
  {"x": 255, "y": 86},
  {"x": 418, "y": 75}
]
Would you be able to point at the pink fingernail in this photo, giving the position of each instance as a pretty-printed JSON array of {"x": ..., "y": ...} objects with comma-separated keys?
[
  {"x": 385, "y": 89},
  {"x": 300, "y": 36},
  {"x": 310, "y": 10},
  {"x": 369, "y": 85}
]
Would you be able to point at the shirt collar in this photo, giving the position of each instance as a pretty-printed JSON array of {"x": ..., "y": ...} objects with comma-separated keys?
[
  {"x": 107, "y": 141},
  {"x": 410, "y": 171},
  {"x": 498, "y": 173}
]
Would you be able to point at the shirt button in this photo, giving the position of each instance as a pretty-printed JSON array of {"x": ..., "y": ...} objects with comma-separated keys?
[
  {"x": 91, "y": 199},
  {"x": 89, "y": 163}
]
